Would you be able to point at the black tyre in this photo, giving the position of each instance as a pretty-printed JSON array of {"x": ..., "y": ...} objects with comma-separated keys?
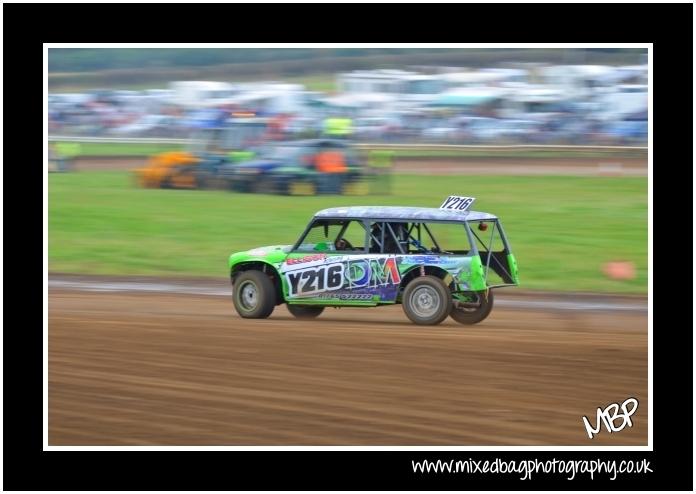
[
  {"x": 263, "y": 185},
  {"x": 305, "y": 311},
  {"x": 300, "y": 187},
  {"x": 204, "y": 181},
  {"x": 473, "y": 315},
  {"x": 427, "y": 300},
  {"x": 254, "y": 295},
  {"x": 237, "y": 186}
]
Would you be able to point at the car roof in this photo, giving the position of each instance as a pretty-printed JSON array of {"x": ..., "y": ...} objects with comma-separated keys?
[{"x": 402, "y": 213}]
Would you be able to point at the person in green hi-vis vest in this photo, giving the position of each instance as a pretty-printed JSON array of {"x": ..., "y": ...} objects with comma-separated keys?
[
  {"x": 64, "y": 153},
  {"x": 380, "y": 162},
  {"x": 240, "y": 156},
  {"x": 339, "y": 128},
  {"x": 67, "y": 149}
]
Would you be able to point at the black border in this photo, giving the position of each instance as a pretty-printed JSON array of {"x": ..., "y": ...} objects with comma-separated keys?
[{"x": 27, "y": 26}]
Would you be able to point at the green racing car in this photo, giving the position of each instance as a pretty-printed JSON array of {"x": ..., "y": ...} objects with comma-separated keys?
[{"x": 436, "y": 262}]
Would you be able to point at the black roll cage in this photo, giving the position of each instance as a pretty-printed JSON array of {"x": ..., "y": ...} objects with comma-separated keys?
[
  {"x": 418, "y": 225},
  {"x": 367, "y": 224}
]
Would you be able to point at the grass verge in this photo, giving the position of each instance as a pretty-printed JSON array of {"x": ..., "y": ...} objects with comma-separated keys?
[{"x": 561, "y": 229}]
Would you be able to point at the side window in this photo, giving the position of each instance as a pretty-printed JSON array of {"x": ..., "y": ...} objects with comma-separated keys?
[
  {"x": 353, "y": 237},
  {"x": 376, "y": 233},
  {"x": 333, "y": 236},
  {"x": 447, "y": 238},
  {"x": 389, "y": 237},
  {"x": 396, "y": 242},
  {"x": 487, "y": 236},
  {"x": 492, "y": 251},
  {"x": 320, "y": 237}
]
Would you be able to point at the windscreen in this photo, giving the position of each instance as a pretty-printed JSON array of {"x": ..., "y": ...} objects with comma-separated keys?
[
  {"x": 392, "y": 237},
  {"x": 243, "y": 136},
  {"x": 283, "y": 153}
]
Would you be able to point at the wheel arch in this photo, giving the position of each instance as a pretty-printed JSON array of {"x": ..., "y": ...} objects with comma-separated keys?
[
  {"x": 264, "y": 267},
  {"x": 416, "y": 272}
]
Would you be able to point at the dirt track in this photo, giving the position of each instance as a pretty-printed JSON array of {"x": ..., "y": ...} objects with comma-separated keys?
[{"x": 176, "y": 369}]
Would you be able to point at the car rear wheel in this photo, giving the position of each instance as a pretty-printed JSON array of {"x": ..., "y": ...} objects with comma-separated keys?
[
  {"x": 427, "y": 300},
  {"x": 254, "y": 295},
  {"x": 473, "y": 315},
  {"x": 305, "y": 311}
]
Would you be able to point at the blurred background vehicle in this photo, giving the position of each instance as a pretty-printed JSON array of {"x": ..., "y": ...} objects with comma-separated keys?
[
  {"x": 306, "y": 167},
  {"x": 169, "y": 170},
  {"x": 627, "y": 131},
  {"x": 216, "y": 141}
]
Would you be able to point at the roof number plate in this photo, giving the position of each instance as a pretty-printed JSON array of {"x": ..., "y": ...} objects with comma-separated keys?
[{"x": 458, "y": 203}]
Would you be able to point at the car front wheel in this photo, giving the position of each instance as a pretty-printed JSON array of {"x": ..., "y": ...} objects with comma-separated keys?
[
  {"x": 427, "y": 300},
  {"x": 254, "y": 295}
]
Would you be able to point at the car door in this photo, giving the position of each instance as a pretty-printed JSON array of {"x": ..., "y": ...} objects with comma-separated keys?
[{"x": 321, "y": 270}]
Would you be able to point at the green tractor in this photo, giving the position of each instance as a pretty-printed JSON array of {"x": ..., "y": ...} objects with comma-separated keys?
[{"x": 237, "y": 141}]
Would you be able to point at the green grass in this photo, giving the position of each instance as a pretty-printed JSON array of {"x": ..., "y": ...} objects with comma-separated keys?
[
  {"x": 106, "y": 149},
  {"x": 562, "y": 229},
  {"x": 520, "y": 153}
]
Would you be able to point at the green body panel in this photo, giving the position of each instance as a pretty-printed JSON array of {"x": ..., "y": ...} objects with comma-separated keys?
[
  {"x": 241, "y": 156},
  {"x": 512, "y": 263},
  {"x": 365, "y": 279},
  {"x": 476, "y": 275},
  {"x": 273, "y": 255}
]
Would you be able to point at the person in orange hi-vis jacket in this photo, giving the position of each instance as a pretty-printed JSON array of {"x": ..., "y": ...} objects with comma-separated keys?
[{"x": 330, "y": 164}]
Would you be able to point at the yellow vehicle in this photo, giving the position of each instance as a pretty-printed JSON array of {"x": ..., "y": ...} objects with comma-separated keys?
[{"x": 169, "y": 170}]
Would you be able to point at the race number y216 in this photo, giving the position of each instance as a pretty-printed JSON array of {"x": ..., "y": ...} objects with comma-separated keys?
[
  {"x": 457, "y": 203},
  {"x": 316, "y": 279}
]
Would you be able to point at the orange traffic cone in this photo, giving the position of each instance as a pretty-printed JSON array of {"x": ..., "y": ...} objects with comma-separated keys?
[{"x": 620, "y": 270}]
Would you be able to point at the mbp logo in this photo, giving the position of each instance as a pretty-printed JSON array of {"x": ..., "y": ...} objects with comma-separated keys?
[{"x": 610, "y": 415}]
